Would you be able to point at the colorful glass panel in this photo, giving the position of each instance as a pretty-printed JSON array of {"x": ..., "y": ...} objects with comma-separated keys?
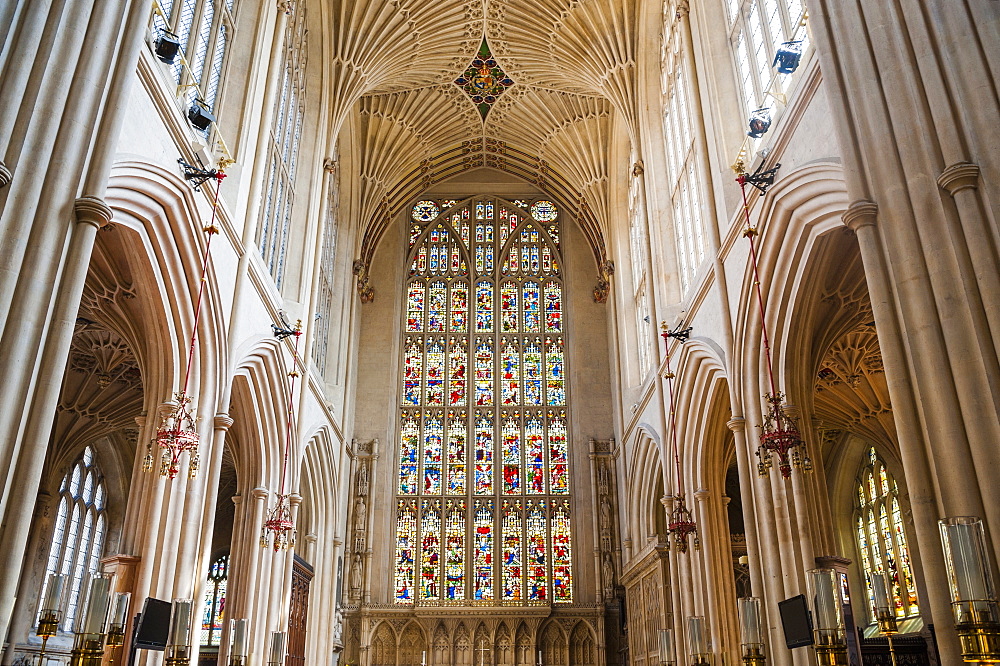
[
  {"x": 562, "y": 556},
  {"x": 458, "y": 356},
  {"x": 558, "y": 454},
  {"x": 532, "y": 369},
  {"x": 435, "y": 372},
  {"x": 484, "y": 307},
  {"x": 484, "y": 372},
  {"x": 433, "y": 434},
  {"x": 430, "y": 550},
  {"x": 459, "y": 307},
  {"x": 406, "y": 536},
  {"x": 413, "y": 364},
  {"x": 555, "y": 388},
  {"x": 425, "y": 211},
  {"x": 544, "y": 211},
  {"x": 454, "y": 563},
  {"x": 484, "y": 454},
  {"x": 510, "y": 374},
  {"x": 483, "y": 552},
  {"x": 437, "y": 307},
  {"x": 457, "y": 435},
  {"x": 511, "y": 455},
  {"x": 553, "y": 307},
  {"x": 532, "y": 322},
  {"x": 508, "y": 308},
  {"x": 512, "y": 562},
  {"x": 408, "y": 447},
  {"x": 536, "y": 553},
  {"x": 534, "y": 451},
  {"x": 415, "y": 308}
]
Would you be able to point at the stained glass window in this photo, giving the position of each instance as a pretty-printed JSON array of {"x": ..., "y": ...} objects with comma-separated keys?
[
  {"x": 78, "y": 534},
  {"x": 214, "y": 604},
  {"x": 882, "y": 538},
  {"x": 483, "y": 449}
]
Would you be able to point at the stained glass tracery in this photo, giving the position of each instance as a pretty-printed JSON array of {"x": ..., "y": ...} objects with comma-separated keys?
[
  {"x": 483, "y": 484},
  {"x": 882, "y": 538}
]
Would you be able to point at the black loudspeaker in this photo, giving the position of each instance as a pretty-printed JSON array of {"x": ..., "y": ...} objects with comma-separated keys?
[
  {"x": 166, "y": 47},
  {"x": 796, "y": 622},
  {"x": 154, "y": 625},
  {"x": 200, "y": 117}
]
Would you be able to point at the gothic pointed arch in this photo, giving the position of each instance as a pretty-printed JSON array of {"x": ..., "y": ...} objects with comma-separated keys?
[
  {"x": 583, "y": 651},
  {"x": 553, "y": 645},
  {"x": 383, "y": 646}
]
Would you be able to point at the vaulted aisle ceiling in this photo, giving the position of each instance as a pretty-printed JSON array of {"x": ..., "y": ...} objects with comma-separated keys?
[{"x": 571, "y": 66}]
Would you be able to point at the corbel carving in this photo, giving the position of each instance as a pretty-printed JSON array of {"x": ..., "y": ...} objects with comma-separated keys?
[
  {"x": 959, "y": 176},
  {"x": 603, "y": 288},
  {"x": 365, "y": 291}
]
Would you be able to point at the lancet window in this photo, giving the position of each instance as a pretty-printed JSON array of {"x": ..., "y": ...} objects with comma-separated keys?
[
  {"x": 79, "y": 532},
  {"x": 878, "y": 522},
  {"x": 683, "y": 159},
  {"x": 283, "y": 147},
  {"x": 757, "y": 29},
  {"x": 214, "y": 604},
  {"x": 482, "y": 491}
]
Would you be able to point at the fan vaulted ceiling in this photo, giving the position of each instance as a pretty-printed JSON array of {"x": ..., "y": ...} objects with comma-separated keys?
[{"x": 572, "y": 65}]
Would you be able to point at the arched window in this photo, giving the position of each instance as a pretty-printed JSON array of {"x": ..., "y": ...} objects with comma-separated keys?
[
  {"x": 204, "y": 29},
  {"x": 757, "y": 29},
  {"x": 639, "y": 256},
  {"x": 79, "y": 531},
  {"x": 878, "y": 523},
  {"x": 283, "y": 147},
  {"x": 685, "y": 187},
  {"x": 214, "y": 605},
  {"x": 483, "y": 485}
]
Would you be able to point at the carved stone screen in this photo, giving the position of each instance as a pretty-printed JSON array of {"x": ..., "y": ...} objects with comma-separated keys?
[{"x": 483, "y": 487}]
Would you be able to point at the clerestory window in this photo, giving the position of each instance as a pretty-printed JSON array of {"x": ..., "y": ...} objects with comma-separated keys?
[{"x": 483, "y": 485}]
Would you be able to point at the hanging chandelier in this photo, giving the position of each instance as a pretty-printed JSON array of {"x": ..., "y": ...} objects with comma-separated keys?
[
  {"x": 278, "y": 531},
  {"x": 680, "y": 525},
  {"x": 178, "y": 430},
  {"x": 779, "y": 434}
]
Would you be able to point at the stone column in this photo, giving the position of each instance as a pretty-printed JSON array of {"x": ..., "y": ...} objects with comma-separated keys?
[{"x": 861, "y": 217}]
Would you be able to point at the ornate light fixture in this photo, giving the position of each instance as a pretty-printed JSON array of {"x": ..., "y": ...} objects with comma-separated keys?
[
  {"x": 973, "y": 597},
  {"x": 278, "y": 531},
  {"x": 178, "y": 430},
  {"x": 779, "y": 434},
  {"x": 787, "y": 57},
  {"x": 50, "y": 615},
  {"x": 681, "y": 524},
  {"x": 759, "y": 123}
]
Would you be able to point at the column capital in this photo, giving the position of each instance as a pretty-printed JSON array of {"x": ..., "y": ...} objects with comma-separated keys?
[
  {"x": 959, "y": 176},
  {"x": 259, "y": 492},
  {"x": 5, "y": 175},
  {"x": 92, "y": 210},
  {"x": 294, "y": 499},
  {"x": 311, "y": 539},
  {"x": 737, "y": 424},
  {"x": 223, "y": 422},
  {"x": 860, "y": 213},
  {"x": 701, "y": 494}
]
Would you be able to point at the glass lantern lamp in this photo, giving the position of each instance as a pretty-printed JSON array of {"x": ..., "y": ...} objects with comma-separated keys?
[
  {"x": 974, "y": 599},
  {"x": 668, "y": 656},
  {"x": 179, "y": 639},
  {"x": 698, "y": 642},
  {"x": 276, "y": 655},
  {"x": 884, "y": 615},
  {"x": 88, "y": 642},
  {"x": 751, "y": 635},
  {"x": 50, "y": 615},
  {"x": 238, "y": 647},
  {"x": 828, "y": 614}
]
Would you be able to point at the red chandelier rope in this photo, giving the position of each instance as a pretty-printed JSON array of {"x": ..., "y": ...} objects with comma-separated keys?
[
  {"x": 779, "y": 435},
  {"x": 178, "y": 431},
  {"x": 681, "y": 525}
]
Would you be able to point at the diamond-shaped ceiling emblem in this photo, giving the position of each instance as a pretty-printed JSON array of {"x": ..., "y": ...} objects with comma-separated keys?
[{"x": 483, "y": 80}]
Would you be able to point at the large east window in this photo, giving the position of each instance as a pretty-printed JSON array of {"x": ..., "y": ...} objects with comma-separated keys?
[
  {"x": 78, "y": 533},
  {"x": 878, "y": 523},
  {"x": 483, "y": 485}
]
